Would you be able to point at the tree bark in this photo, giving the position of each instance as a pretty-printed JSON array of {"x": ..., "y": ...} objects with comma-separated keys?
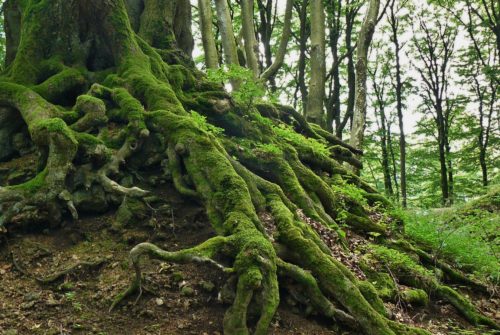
[
  {"x": 364, "y": 41},
  {"x": 352, "y": 9},
  {"x": 333, "y": 104},
  {"x": 207, "y": 35},
  {"x": 227, "y": 33},
  {"x": 303, "y": 37},
  {"x": 251, "y": 46},
  {"x": 273, "y": 68},
  {"x": 394, "y": 23},
  {"x": 315, "y": 112}
]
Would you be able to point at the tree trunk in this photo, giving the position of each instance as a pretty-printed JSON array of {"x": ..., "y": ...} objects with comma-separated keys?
[
  {"x": 364, "y": 41},
  {"x": 394, "y": 22},
  {"x": 273, "y": 68},
  {"x": 351, "y": 14},
  {"x": 227, "y": 34},
  {"x": 315, "y": 99},
  {"x": 333, "y": 107},
  {"x": 393, "y": 160},
  {"x": 251, "y": 46},
  {"x": 100, "y": 104},
  {"x": 445, "y": 189},
  {"x": 207, "y": 35},
  {"x": 385, "y": 155},
  {"x": 303, "y": 37}
]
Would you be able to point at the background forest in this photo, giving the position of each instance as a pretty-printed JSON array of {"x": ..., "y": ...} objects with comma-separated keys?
[{"x": 425, "y": 59}]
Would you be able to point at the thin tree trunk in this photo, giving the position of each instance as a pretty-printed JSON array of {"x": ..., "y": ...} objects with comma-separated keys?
[
  {"x": 442, "y": 159},
  {"x": 304, "y": 35},
  {"x": 207, "y": 35},
  {"x": 364, "y": 41},
  {"x": 394, "y": 23},
  {"x": 227, "y": 33},
  {"x": 333, "y": 107},
  {"x": 393, "y": 160},
  {"x": 351, "y": 71},
  {"x": 383, "y": 128},
  {"x": 315, "y": 101},
  {"x": 270, "y": 72},
  {"x": 251, "y": 46},
  {"x": 385, "y": 155}
]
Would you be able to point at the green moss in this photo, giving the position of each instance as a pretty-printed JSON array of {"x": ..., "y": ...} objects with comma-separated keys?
[
  {"x": 55, "y": 89},
  {"x": 383, "y": 282},
  {"x": 402, "y": 265},
  {"x": 86, "y": 139},
  {"x": 371, "y": 295},
  {"x": 415, "y": 297},
  {"x": 131, "y": 211},
  {"x": 53, "y": 125},
  {"x": 187, "y": 291},
  {"x": 34, "y": 185}
]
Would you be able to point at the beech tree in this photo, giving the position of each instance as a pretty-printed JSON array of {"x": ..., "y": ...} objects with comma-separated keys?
[
  {"x": 106, "y": 91},
  {"x": 396, "y": 23},
  {"x": 314, "y": 111},
  {"x": 364, "y": 41},
  {"x": 207, "y": 35},
  {"x": 435, "y": 48}
]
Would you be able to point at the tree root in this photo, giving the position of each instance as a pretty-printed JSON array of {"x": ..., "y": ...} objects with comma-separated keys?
[
  {"x": 313, "y": 292},
  {"x": 202, "y": 253},
  {"x": 57, "y": 275},
  {"x": 406, "y": 270},
  {"x": 146, "y": 104}
]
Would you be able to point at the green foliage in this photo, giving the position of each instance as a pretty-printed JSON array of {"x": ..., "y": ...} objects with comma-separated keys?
[
  {"x": 470, "y": 241},
  {"x": 270, "y": 148},
  {"x": 249, "y": 90},
  {"x": 201, "y": 121}
]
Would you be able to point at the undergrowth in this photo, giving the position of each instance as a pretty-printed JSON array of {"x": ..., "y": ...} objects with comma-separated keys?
[{"x": 470, "y": 241}]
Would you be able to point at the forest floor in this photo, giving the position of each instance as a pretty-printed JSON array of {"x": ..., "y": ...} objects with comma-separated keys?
[{"x": 179, "y": 299}]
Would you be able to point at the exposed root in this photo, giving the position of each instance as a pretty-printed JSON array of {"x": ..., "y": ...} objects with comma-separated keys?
[
  {"x": 408, "y": 272},
  {"x": 57, "y": 275},
  {"x": 310, "y": 286},
  {"x": 202, "y": 253}
]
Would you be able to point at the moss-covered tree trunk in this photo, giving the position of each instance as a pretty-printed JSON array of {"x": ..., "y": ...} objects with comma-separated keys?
[{"x": 103, "y": 90}]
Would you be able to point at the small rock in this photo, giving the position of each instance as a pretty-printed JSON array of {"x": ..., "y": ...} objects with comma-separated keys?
[{"x": 159, "y": 301}]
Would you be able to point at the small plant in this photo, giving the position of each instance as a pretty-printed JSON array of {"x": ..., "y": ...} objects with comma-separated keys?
[
  {"x": 70, "y": 296},
  {"x": 201, "y": 121},
  {"x": 249, "y": 90},
  {"x": 270, "y": 148},
  {"x": 77, "y": 306}
]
